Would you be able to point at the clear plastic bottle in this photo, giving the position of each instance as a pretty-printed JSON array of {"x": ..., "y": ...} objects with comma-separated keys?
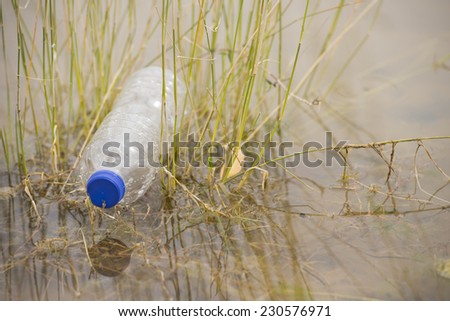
[{"x": 121, "y": 160}]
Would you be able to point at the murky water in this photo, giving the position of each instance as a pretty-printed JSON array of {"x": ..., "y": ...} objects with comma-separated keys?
[{"x": 317, "y": 237}]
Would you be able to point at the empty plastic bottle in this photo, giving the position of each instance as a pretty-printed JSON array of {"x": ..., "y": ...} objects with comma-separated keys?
[{"x": 121, "y": 160}]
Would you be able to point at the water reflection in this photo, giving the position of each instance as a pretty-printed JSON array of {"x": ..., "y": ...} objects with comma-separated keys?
[
  {"x": 274, "y": 247},
  {"x": 110, "y": 256}
]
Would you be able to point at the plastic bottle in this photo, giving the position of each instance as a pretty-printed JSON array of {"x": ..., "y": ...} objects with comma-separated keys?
[{"x": 120, "y": 162}]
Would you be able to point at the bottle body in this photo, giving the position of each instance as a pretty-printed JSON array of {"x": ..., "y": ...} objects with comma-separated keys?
[{"x": 125, "y": 150}]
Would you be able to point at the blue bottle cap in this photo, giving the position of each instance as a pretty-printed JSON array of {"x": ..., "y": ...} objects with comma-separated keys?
[{"x": 105, "y": 188}]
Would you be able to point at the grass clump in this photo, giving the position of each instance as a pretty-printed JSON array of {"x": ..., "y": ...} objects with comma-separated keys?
[{"x": 72, "y": 58}]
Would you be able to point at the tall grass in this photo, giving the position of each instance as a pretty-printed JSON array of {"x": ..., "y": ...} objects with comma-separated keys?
[{"x": 72, "y": 57}]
